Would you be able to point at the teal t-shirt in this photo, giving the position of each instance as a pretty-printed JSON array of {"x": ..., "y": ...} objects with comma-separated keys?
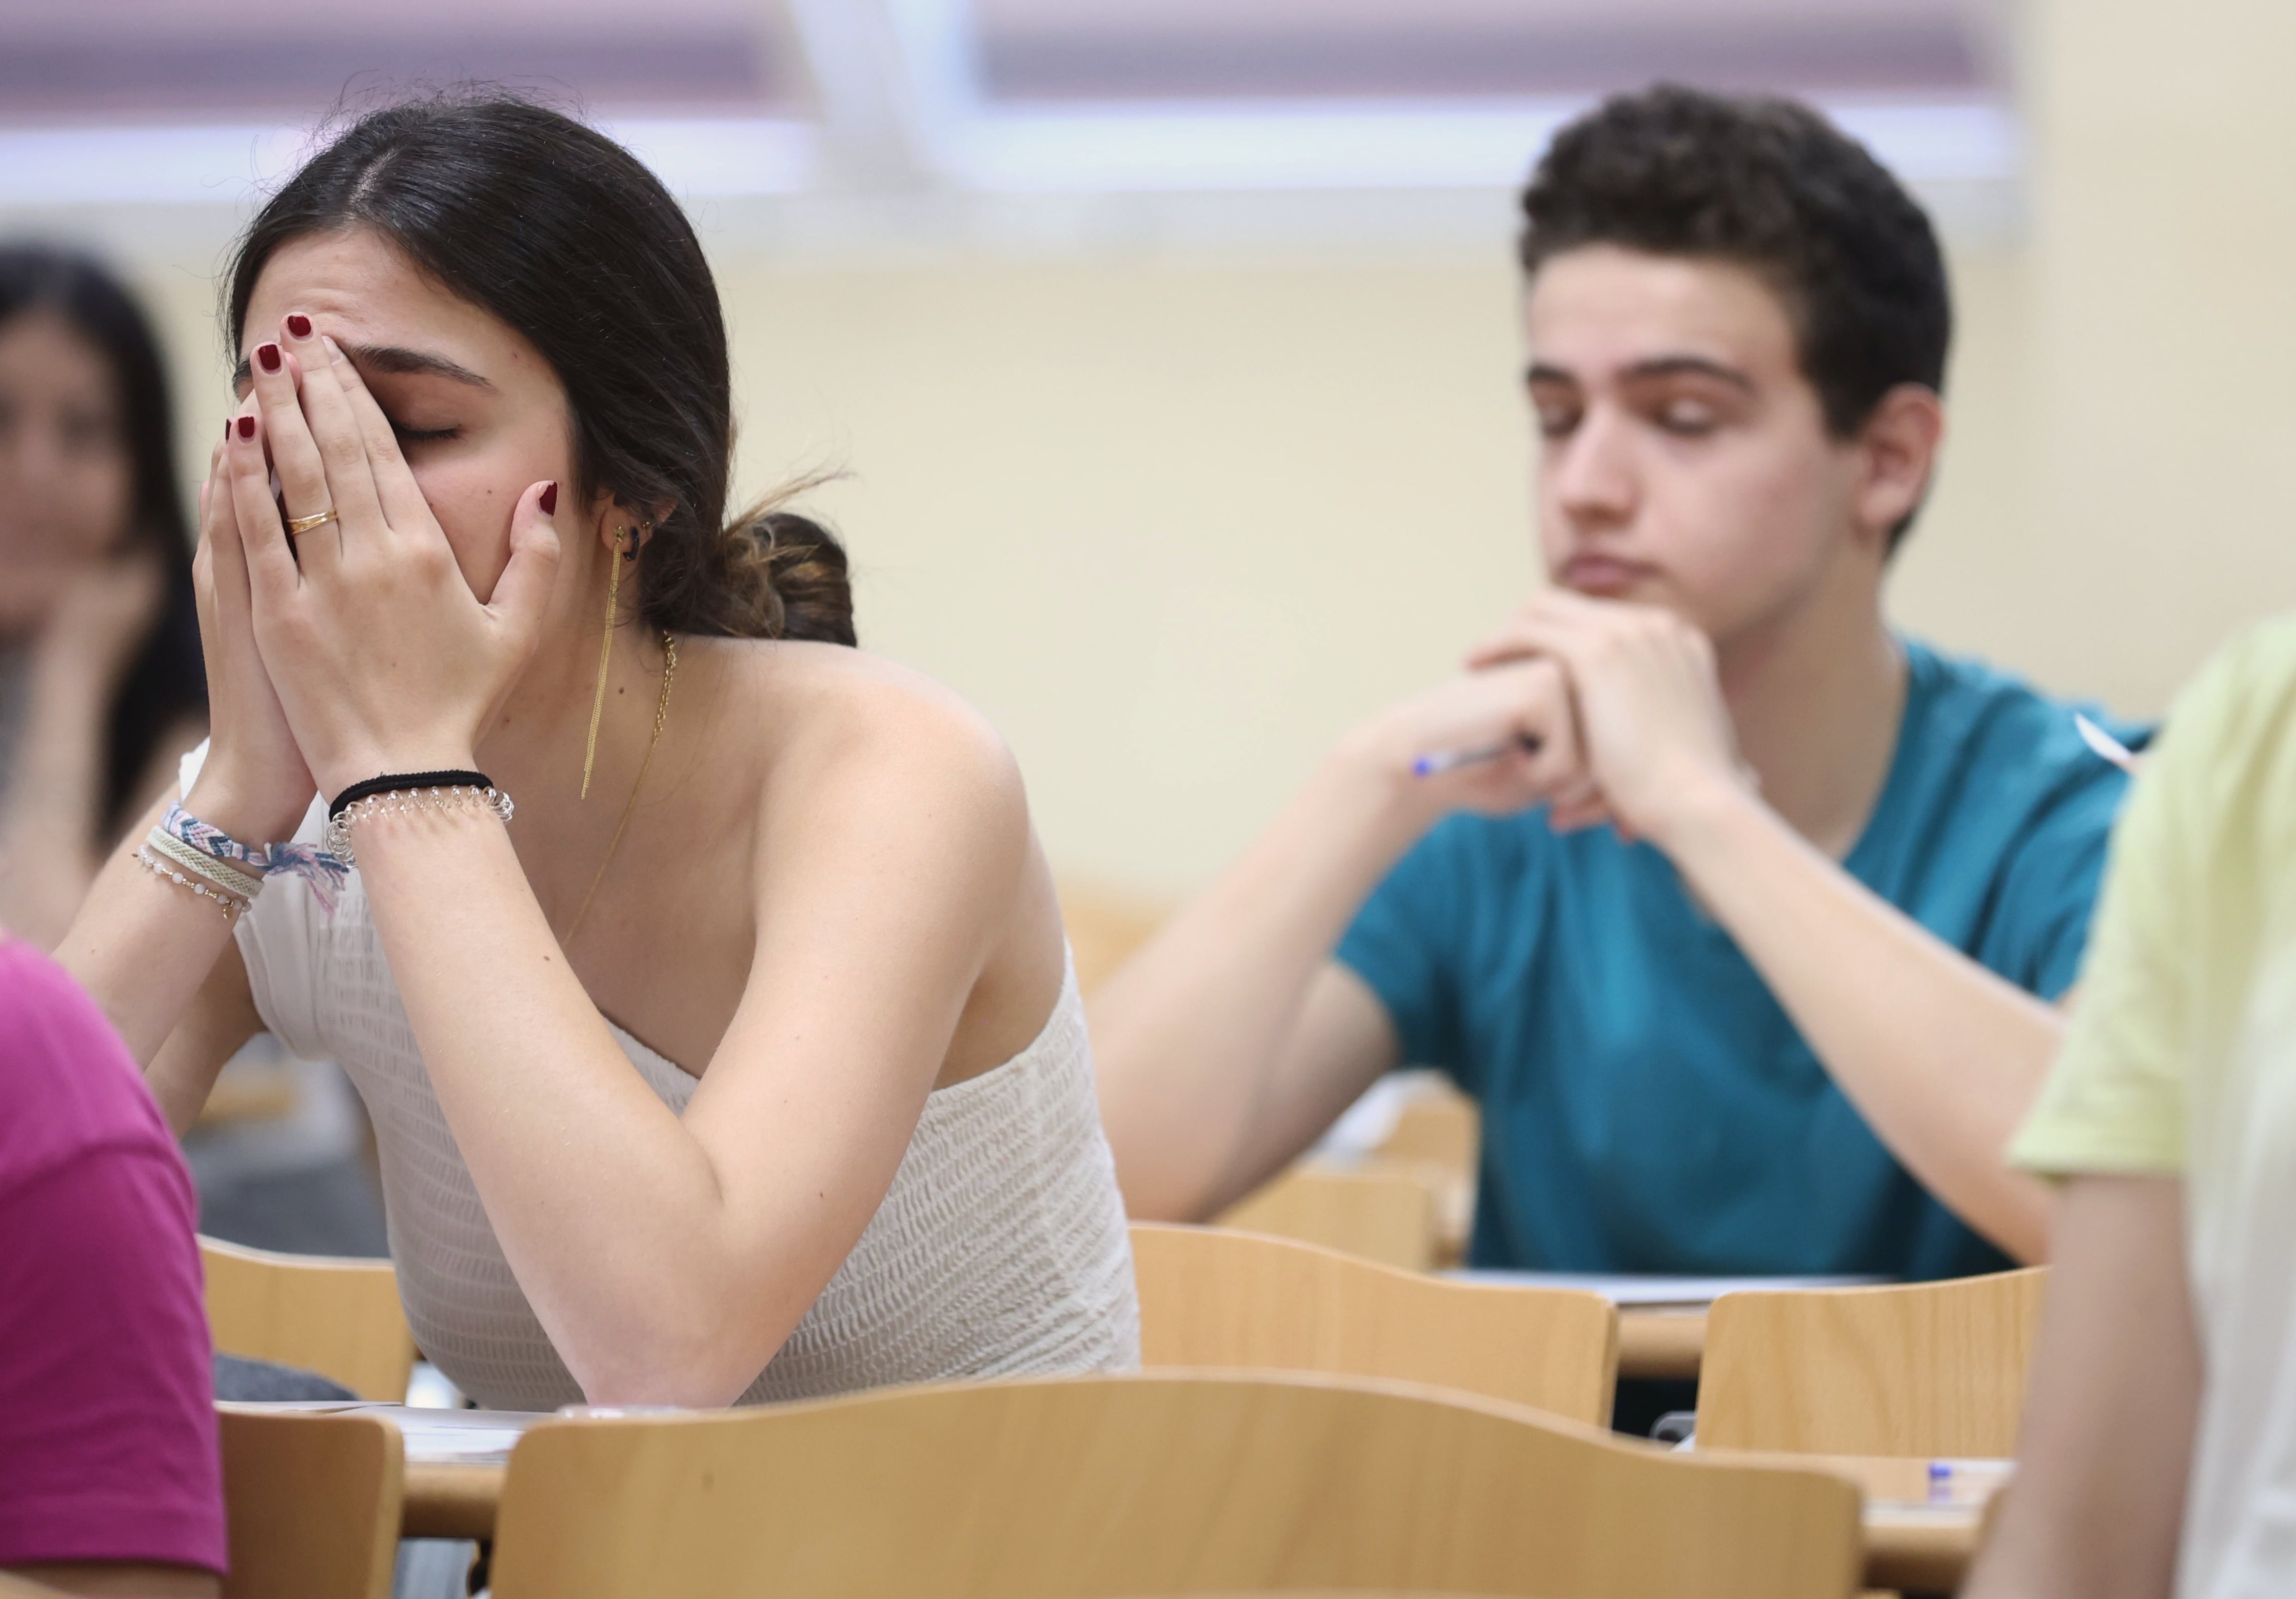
[{"x": 1647, "y": 1105}]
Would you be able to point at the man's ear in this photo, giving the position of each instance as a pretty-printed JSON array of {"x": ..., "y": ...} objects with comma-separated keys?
[{"x": 1898, "y": 447}]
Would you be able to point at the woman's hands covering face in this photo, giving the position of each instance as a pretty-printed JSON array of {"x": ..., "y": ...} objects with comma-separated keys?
[
  {"x": 382, "y": 659},
  {"x": 255, "y": 785}
]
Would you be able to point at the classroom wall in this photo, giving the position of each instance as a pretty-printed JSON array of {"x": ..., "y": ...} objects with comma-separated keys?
[
  {"x": 1174, "y": 516},
  {"x": 2163, "y": 278},
  {"x": 1175, "y": 525}
]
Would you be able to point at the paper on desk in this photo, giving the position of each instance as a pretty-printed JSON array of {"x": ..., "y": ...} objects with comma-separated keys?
[
  {"x": 433, "y": 1436},
  {"x": 445, "y": 1437},
  {"x": 1655, "y": 1292}
]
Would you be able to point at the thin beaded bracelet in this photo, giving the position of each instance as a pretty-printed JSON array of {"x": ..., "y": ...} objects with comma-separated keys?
[
  {"x": 224, "y": 874},
  {"x": 460, "y": 796},
  {"x": 233, "y": 907}
]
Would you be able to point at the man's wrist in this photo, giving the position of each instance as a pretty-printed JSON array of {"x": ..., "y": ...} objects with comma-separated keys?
[
  {"x": 1371, "y": 788},
  {"x": 1702, "y": 811}
]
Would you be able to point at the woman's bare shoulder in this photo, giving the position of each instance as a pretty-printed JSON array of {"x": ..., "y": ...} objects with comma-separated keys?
[{"x": 841, "y": 717}]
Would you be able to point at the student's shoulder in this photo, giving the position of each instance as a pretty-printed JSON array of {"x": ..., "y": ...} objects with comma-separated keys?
[
  {"x": 2230, "y": 735},
  {"x": 69, "y": 1087},
  {"x": 1974, "y": 701},
  {"x": 2243, "y": 702},
  {"x": 1990, "y": 736},
  {"x": 841, "y": 723}
]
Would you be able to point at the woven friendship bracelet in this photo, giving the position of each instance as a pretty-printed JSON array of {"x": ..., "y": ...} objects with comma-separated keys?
[
  {"x": 396, "y": 800},
  {"x": 213, "y": 840},
  {"x": 229, "y": 875}
]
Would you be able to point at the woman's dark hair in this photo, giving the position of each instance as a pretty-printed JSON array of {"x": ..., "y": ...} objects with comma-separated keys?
[
  {"x": 166, "y": 681},
  {"x": 565, "y": 236},
  {"x": 1771, "y": 184}
]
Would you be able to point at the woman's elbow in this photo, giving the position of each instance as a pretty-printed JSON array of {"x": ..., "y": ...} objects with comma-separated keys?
[{"x": 671, "y": 1360}]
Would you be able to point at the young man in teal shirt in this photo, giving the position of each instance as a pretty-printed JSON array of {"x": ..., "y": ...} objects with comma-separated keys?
[{"x": 1748, "y": 936}]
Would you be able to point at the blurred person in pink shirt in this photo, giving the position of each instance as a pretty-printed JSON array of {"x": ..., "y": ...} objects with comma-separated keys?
[
  {"x": 102, "y": 686},
  {"x": 109, "y": 1477}
]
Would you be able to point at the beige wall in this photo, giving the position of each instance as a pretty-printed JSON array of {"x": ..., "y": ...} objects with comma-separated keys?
[
  {"x": 2162, "y": 277},
  {"x": 1174, "y": 521}
]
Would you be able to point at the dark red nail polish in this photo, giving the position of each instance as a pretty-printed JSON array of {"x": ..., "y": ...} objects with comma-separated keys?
[
  {"x": 549, "y": 500},
  {"x": 247, "y": 427},
  {"x": 227, "y": 428},
  {"x": 298, "y": 326},
  {"x": 267, "y": 356}
]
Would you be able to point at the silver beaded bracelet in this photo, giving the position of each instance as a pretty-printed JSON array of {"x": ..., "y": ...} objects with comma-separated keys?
[
  {"x": 337, "y": 838},
  {"x": 233, "y": 907}
]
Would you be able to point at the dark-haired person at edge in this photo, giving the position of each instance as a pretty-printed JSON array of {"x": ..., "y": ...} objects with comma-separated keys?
[
  {"x": 100, "y": 683},
  {"x": 759, "y": 1071},
  {"x": 1750, "y": 963}
]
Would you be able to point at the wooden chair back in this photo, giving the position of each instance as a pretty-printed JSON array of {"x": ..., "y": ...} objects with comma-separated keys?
[
  {"x": 313, "y": 1501},
  {"x": 1155, "y": 1483},
  {"x": 1105, "y": 926},
  {"x": 1922, "y": 1368},
  {"x": 1391, "y": 1214},
  {"x": 339, "y": 1318},
  {"x": 1210, "y": 1297},
  {"x": 1440, "y": 1126}
]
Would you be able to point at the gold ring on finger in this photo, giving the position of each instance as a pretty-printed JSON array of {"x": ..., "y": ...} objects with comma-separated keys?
[{"x": 304, "y": 524}]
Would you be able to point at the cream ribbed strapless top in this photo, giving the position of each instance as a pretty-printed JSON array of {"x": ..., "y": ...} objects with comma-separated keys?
[{"x": 999, "y": 1250}]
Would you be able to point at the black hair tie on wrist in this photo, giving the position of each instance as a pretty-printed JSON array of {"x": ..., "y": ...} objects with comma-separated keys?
[{"x": 400, "y": 783}]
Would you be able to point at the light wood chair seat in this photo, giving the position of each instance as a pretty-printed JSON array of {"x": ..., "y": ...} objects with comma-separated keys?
[
  {"x": 1440, "y": 1125},
  {"x": 341, "y": 1318},
  {"x": 1389, "y": 1213},
  {"x": 1210, "y": 1297},
  {"x": 313, "y": 1502},
  {"x": 1921, "y": 1368},
  {"x": 1155, "y": 1483},
  {"x": 1440, "y": 1131}
]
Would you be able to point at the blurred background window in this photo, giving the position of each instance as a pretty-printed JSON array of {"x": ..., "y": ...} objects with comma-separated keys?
[{"x": 766, "y": 96}]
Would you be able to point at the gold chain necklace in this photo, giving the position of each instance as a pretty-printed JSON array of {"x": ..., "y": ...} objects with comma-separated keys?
[{"x": 660, "y": 714}]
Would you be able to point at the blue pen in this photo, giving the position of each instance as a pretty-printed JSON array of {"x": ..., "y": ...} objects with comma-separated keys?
[
  {"x": 1978, "y": 1478},
  {"x": 1449, "y": 760}
]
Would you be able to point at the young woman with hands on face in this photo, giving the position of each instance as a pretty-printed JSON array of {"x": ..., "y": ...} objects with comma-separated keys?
[{"x": 858, "y": 1142}]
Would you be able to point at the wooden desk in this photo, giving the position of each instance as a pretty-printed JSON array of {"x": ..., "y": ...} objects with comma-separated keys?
[
  {"x": 450, "y": 1501},
  {"x": 1909, "y": 1544},
  {"x": 1661, "y": 1341},
  {"x": 251, "y": 1092},
  {"x": 1661, "y": 1319}
]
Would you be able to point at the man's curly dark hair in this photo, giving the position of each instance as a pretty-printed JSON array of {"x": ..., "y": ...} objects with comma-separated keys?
[{"x": 1772, "y": 185}]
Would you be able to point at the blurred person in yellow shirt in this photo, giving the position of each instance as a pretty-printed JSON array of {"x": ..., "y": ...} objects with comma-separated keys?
[{"x": 2159, "y": 1453}]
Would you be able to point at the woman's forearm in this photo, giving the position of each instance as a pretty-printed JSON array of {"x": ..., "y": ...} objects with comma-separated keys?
[
  {"x": 2098, "y": 1507},
  {"x": 1941, "y": 1057},
  {"x": 1188, "y": 1037},
  {"x": 610, "y": 1214},
  {"x": 50, "y": 805},
  {"x": 142, "y": 945}
]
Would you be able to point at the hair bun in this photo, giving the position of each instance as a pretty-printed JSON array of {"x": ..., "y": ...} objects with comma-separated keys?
[{"x": 792, "y": 574}]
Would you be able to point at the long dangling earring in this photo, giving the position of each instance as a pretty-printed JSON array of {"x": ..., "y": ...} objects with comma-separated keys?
[{"x": 606, "y": 649}]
